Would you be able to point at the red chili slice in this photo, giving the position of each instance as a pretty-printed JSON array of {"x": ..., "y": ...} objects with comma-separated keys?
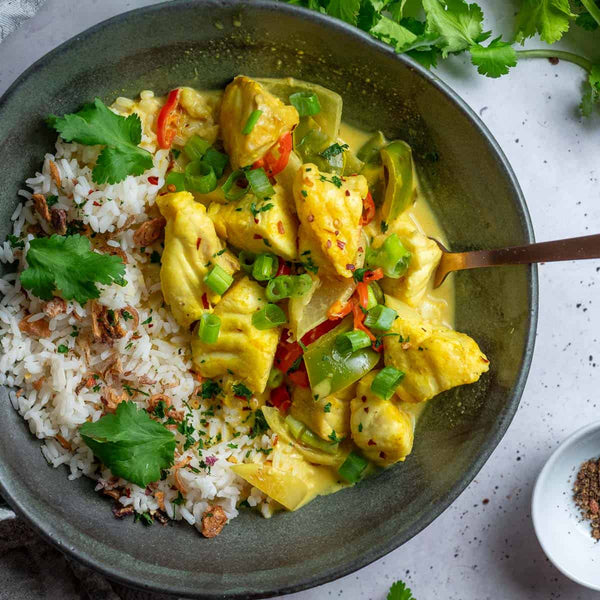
[
  {"x": 283, "y": 268},
  {"x": 280, "y": 398},
  {"x": 168, "y": 120},
  {"x": 300, "y": 377},
  {"x": 276, "y": 159},
  {"x": 368, "y": 210}
]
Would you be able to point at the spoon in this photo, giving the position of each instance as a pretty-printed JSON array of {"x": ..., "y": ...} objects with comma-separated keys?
[{"x": 578, "y": 248}]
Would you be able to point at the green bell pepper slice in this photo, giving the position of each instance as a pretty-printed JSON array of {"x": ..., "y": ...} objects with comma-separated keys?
[
  {"x": 400, "y": 179},
  {"x": 328, "y": 370},
  {"x": 370, "y": 150}
]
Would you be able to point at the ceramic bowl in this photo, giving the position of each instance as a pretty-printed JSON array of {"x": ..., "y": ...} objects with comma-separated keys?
[
  {"x": 475, "y": 196},
  {"x": 564, "y": 536}
]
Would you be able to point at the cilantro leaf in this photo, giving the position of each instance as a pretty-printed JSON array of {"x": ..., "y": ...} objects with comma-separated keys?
[
  {"x": 591, "y": 95},
  {"x": 392, "y": 33},
  {"x": 347, "y": 10},
  {"x": 95, "y": 124},
  {"x": 495, "y": 59},
  {"x": 549, "y": 18},
  {"x": 239, "y": 389},
  {"x": 68, "y": 264},
  {"x": 131, "y": 444},
  {"x": 399, "y": 591},
  {"x": 459, "y": 24}
]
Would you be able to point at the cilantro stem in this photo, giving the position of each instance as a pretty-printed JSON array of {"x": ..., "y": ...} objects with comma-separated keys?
[
  {"x": 584, "y": 63},
  {"x": 593, "y": 9}
]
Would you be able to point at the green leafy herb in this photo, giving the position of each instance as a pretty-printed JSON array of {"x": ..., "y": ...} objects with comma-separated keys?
[
  {"x": 399, "y": 591},
  {"x": 549, "y": 18},
  {"x": 155, "y": 257},
  {"x": 256, "y": 211},
  {"x": 333, "y": 436},
  {"x": 14, "y": 241},
  {"x": 68, "y": 264},
  {"x": 260, "y": 424},
  {"x": 210, "y": 389},
  {"x": 334, "y": 150},
  {"x": 179, "y": 500},
  {"x": 62, "y": 349},
  {"x": 239, "y": 389},
  {"x": 495, "y": 59},
  {"x": 95, "y": 124},
  {"x": 327, "y": 407},
  {"x": 131, "y": 391},
  {"x": 131, "y": 444},
  {"x": 51, "y": 200}
]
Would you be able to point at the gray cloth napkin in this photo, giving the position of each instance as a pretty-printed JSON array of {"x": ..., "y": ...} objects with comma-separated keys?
[{"x": 13, "y": 13}]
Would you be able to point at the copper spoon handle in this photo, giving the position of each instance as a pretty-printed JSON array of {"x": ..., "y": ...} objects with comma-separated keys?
[{"x": 578, "y": 248}]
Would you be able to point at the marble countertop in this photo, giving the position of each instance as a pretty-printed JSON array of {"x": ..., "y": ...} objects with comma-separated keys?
[{"x": 475, "y": 550}]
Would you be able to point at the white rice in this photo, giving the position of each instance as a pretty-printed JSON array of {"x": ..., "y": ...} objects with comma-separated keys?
[{"x": 160, "y": 350}]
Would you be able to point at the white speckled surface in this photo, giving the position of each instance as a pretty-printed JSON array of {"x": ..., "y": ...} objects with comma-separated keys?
[{"x": 478, "y": 551}]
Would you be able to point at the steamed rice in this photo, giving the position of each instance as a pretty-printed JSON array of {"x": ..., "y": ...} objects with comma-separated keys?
[{"x": 45, "y": 381}]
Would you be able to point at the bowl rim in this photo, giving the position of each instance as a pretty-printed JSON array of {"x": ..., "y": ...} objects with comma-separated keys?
[
  {"x": 122, "y": 575},
  {"x": 544, "y": 475}
]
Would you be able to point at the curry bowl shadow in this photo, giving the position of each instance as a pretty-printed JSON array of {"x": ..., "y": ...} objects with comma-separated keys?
[{"x": 471, "y": 189}]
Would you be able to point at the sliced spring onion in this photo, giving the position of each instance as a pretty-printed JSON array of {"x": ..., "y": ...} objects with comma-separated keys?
[
  {"x": 251, "y": 122},
  {"x": 279, "y": 288},
  {"x": 208, "y": 328},
  {"x": 231, "y": 190},
  {"x": 380, "y": 318},
  {"x": 378, "y": 292},
  {"x": 246, "y": 261},
  {"x": 217, "y": 160},
  {"x": 200, "y": 177},
  {"x": 314, "y": 441},
  {"x": 275, "y": 378},
  {"x": 268, "y": 316},
  {"x": 218, "y": 280},
  {"x": 352, "y": 341},
  {"x": 384, "y": 384},
  {"x": 259, "y": 183},
  {"x": 391, "y": 256},
  {"x": 264, "y": 267},
  {"x": 177, "y": 179},
  {"x": 196, "y": 147},
  {"x": 371, "y": 299},
  {"x": 353, "y": 467},
  {"x": 295, "y": 427},
  {"x": 306, "y": 103}
]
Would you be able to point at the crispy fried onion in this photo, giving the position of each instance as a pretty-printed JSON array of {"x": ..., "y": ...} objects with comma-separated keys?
[
  {"x": 39, "y": 328},
  {"x": 55, "y": 307},
  {"x": 111, "y": 399},
  {"x": 176, "y": 467},
  {"x": 213, "y": 521},
  {"x": 170, "y": 410},
  {"x": 106, "y": 325},
  {"x": 149, "y": 232}
]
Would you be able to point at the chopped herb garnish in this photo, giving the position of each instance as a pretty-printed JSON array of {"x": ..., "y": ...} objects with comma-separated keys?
[
  {"x": 334, "y": 150},
  {"x": 327, "y": 407},
  {"x": 256, "y": 211},
  {"x": 210, "y": 389},
  {"x": 334, "y": 437},
  {"x": 232, "y": 445},
  {"x": 334, "y": 179},
  {"x": 62, "y": 349},
  {"x": 384, "y": 227},
  {"x": 260, "y": 424},
  {"x": 51, "y": 200},
  {"x": 179, "y": 500},
  {"x": 155, "y": 257},
  {"x": 148, "y": 320},
  {"x": 14, "y": 241},
  {"x": 239, "y": 389},
  {"x": 131, "y": 391}
]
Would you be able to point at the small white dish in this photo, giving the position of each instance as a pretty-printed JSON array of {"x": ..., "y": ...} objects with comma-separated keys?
[{"x": 564, "y": 536}]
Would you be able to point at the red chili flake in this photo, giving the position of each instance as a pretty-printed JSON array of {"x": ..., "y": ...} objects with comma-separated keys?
[
  {"x": 336, "y": 232},
  {"x": 328, "y": 243},
  {"x": 256, "y": 236},
  {"x": 350, "y": 267},
  {"x": 361, "y": 249},
  {"x": 205, "y": 302},
  {"x": 96, "y": 203},
  {"x": 341, "y": 245},
  {"x": 198, "y": 242},
  {"x": 553, "y": 60},
  {"x": 310, "y": 218},
  {"x": 280, "y": 227},
  {"x": 347, "y": 192},
  {"x": 382, "y": 454},
  {"x": 128, "y": 492},
  {"x": 366, "y": 409},
  {"x": 256, "y": 220},
  {"x": 150, "y": 325},
  {"x": 90, "y": 192},
  {"x": 153, "y": 180},
  {"x": 363, "y": 398},
  {"x": 371, "y": 443}
]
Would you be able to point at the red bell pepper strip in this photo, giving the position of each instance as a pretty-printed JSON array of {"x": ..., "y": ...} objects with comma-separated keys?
[
  {"x": 374, "y": 275},
  {"x": 283, "y": 268},
  {"x": 339, "y": 310},
  {"x": 300, "y": 377},
  {"x": 276, "y": 159},
  {"x": 359, "y": 317},
  {"x": 168, "y": 120},
  {"x": 280, "y": 398},
  {"x": 368, "y": 210},
  {"x": 362, "y": 293}
]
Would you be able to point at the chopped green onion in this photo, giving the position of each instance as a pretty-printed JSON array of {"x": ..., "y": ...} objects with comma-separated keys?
[
  {"x": 196, "y": 147},
  {"x": 279, "y": 288},
  {"x": 232, "y": 191},
  {"x": 177, "y": 179},
  {"x": 252, "y": 121},
  {"x": 296, "y": 427},
  {"x": 246, "y": 261},
  {"x": 218, "y": 280},
  {"x": 208, "y": 328},
  {"x": 391, "y": 256},
  {"x": 264, "y": 266},
  {"x": 306, "y": 103},
  {"x": 378, "y": 292},
  {"x": 217, "y": 160},
  {"x": 352, "y": 341},
  {"x": 314, "y": 441},
  {"x": 200, "y": 177},
  {"x": 259, "y": 183},
  {"x": 275, "y": 378},
  {"x": 268, "y": 316},
  {"x": 380, "y": 318},
  {"x": 353, "y": 467},
  {"x": 371, "y": 299},
  {"x": 301, "y": 284},
  {"x": 384, "y": 384}
]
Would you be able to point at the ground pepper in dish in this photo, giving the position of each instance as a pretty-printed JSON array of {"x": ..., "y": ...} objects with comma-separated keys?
[{"x": 586, "y": 493}]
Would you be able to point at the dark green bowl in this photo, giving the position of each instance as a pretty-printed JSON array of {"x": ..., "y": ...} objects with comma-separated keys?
[{"x": 476, "y": 197}]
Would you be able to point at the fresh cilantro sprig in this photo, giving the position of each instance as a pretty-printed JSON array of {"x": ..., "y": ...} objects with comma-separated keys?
[
  {"x": 68, "y": 264},
  {"x": 95, "y": 124},
  {"x": 131, "y": 444},
  {"x": 399, "y": 591},
  {"x": 440, "y": 28}
]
